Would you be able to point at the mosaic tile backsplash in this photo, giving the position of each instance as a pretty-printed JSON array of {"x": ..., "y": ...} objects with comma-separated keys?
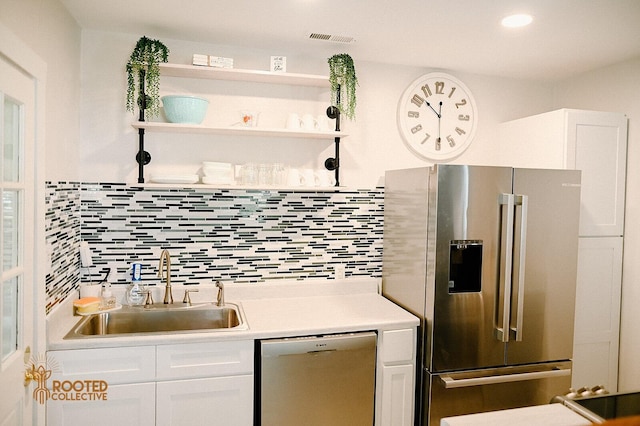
[
  {"x": 62, "y": 233},
  {"x": 226, "y": 234}
]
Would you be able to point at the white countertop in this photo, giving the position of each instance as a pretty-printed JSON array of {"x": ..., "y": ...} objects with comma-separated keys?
[
  {"x": 275, "y": 309},
  {"x": 547, "y": 415}
]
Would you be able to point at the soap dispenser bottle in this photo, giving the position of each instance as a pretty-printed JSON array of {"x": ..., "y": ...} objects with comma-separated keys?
[{"x": 135, "y": 295}]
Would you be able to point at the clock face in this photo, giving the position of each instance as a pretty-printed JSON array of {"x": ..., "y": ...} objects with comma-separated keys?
[{"x": 437, "y": 117}]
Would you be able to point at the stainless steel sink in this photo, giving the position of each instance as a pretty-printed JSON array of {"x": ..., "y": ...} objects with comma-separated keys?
[{"x": 158, "y": 319}]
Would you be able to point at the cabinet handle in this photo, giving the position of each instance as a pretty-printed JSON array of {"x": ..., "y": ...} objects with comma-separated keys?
[
  {"x": 451, "y": 383},
  {"x": 503, "y": 307},
  {"x": 516, "y": 330}
]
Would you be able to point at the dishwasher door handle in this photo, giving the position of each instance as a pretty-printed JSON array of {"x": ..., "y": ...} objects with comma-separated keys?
[
  {"x": 320, "y": 351},
  {"x": 315, "y": 344}
]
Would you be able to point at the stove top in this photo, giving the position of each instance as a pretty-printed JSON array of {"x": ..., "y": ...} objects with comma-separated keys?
[{"x": 600, "y": 408}]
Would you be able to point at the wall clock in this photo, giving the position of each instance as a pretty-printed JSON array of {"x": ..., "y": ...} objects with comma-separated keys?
[{"x": 437, "y": 116}]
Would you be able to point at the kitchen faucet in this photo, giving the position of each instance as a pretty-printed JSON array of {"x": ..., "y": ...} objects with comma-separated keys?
[
  {"x": 165, "y": 260},
  {"x": 220, "y": 298}
]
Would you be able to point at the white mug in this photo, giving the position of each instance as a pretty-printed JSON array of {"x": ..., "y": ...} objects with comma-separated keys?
[
  {"x": 324, "y": 178},
  {"x": 294, "y": 122},
  {"x": 293, "y": 178},
  {"x": 309, "y": 122},
  {"x": 307, "y": 177},
  {"x": 323, "y": 123}
]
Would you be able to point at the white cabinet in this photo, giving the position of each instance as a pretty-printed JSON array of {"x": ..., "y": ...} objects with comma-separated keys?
[
  {"x": 223, "y": 397},
  {"x": 597, "y": 325},
  {"x": 223, "y": 401},
  {"x": 205, "y": 360},
  {"x": 205, "y": 383},
  {"x": 113, "y": 365},
  {"x": 188, "y": 384},
  {"x": 127, "y": 373},
  {"x": 591, "y": 141},
  {"x": 396, "y": 377},
  {"x": 596, "y": 143},
  {"x": 126, "y": 405}
]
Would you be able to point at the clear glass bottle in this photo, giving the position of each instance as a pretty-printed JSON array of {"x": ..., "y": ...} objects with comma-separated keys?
[{"x": 108, "y": 300}]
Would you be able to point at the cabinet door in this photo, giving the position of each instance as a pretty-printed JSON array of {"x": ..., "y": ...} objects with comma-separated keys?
[
  {"x": 397, "y": 395},
  {"x": 204, "y": 359},
  {"x": 224, "y": 401},
  {"x": 132, "y": 404},
  {"x": 597, "y": 145},
  {"x": 597, "y": 319},
  {"x": 592, "y": 141},
  {"x": 114, "y": 365}
]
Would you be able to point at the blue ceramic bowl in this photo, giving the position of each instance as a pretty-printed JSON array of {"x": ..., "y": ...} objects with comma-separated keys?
[{"x": 184, "y": 109}]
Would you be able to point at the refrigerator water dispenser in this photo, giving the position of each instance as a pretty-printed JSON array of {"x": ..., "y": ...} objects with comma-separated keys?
[{"x": 465, "y": 266}]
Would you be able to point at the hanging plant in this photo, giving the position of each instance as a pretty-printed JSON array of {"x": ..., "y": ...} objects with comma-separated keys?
[
  {"x": 343, "y": 81},
  {"x": 143, "y": 69}
]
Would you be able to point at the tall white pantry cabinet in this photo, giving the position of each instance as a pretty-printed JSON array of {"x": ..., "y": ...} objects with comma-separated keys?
[{"x": 596, "y": 143}]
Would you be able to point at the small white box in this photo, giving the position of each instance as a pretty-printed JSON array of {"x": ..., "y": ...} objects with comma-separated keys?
[
  {"x": 200, "y": 59},
  {"x": 220, "y": 62},
  {"x": 278, "y": 64}
]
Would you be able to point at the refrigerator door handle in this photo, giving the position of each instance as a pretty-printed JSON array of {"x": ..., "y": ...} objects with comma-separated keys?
[
  {"x": 516, "y": 330},
  {"x": 503, "y": 305},
  {"x": 451, "y": 383}
]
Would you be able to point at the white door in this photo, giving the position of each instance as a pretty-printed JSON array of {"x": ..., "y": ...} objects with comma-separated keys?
[
  {"x": 18, "y": 224},
  {"x": 597, "y": 145},
  {"x": 597, "y": 321}
]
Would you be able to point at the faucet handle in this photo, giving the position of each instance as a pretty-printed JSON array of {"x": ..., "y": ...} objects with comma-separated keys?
[
  {"x": 148, "y": 301},
  {"x": 187, "y": 298}
]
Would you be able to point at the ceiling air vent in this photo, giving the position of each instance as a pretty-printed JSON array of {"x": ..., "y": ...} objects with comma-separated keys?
[{"x": 329, "y": 37}]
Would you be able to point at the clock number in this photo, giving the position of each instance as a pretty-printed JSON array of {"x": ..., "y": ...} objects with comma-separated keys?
[
  {"x": 440, "y": 87},
  {"x": 453, "y": 89},
  {"x": 463, "y": 102},
  {"x": 438, "y": 144},
  {"x": 426, "y": 90},
  {"x": 422, "y": 142},
  {"x": 460, "y": 131},
  {"x": 413, "y": 114},
  {"x": 416, "y": 129},
  {"x": 463, "y": 117},
  {"x": 451, "y": 141},
  {"x": 417, "y": 100}
]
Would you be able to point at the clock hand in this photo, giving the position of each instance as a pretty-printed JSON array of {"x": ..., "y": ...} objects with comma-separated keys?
[
  {"x": 432, "y": 109},
  {"x": 439, "y": 119}
]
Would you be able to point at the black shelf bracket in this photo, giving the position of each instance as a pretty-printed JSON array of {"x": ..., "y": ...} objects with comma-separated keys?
[
  {"x": 333, "y": 163},
  {"x": 142, "y": 157}
]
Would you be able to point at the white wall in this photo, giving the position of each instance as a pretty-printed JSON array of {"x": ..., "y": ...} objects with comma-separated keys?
[
  {"x": 109, "y": 143},
  {"x": 617, "y": 88},
  {"x": 50, "y": 31}
]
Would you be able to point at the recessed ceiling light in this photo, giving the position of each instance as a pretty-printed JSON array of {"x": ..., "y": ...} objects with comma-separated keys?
[{"x": 516, "y": 21}]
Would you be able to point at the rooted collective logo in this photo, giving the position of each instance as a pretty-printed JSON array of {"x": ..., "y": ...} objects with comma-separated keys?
[{"x": 40, "y": 369}]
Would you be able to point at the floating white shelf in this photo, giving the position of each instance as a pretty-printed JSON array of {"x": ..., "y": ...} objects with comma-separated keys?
[
  {"x": 239, "y": 187},
  {"x": 213, "y": 73},
  {"x": 235, "y": 131}
]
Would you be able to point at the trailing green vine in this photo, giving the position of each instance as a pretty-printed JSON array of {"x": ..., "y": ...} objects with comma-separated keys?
[
  {"x": 343, "y": 81},
  {"x": 143, "y": 65}
]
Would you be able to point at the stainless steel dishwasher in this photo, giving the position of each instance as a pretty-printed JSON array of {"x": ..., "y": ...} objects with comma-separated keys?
[{"x": 318, "y": 380}]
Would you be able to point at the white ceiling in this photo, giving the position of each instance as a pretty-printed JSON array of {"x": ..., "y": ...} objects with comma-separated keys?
[{"x": 567, "y": 36}]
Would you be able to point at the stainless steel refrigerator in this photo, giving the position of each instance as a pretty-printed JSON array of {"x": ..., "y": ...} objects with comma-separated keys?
[{"x": 486, "y": 257}]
